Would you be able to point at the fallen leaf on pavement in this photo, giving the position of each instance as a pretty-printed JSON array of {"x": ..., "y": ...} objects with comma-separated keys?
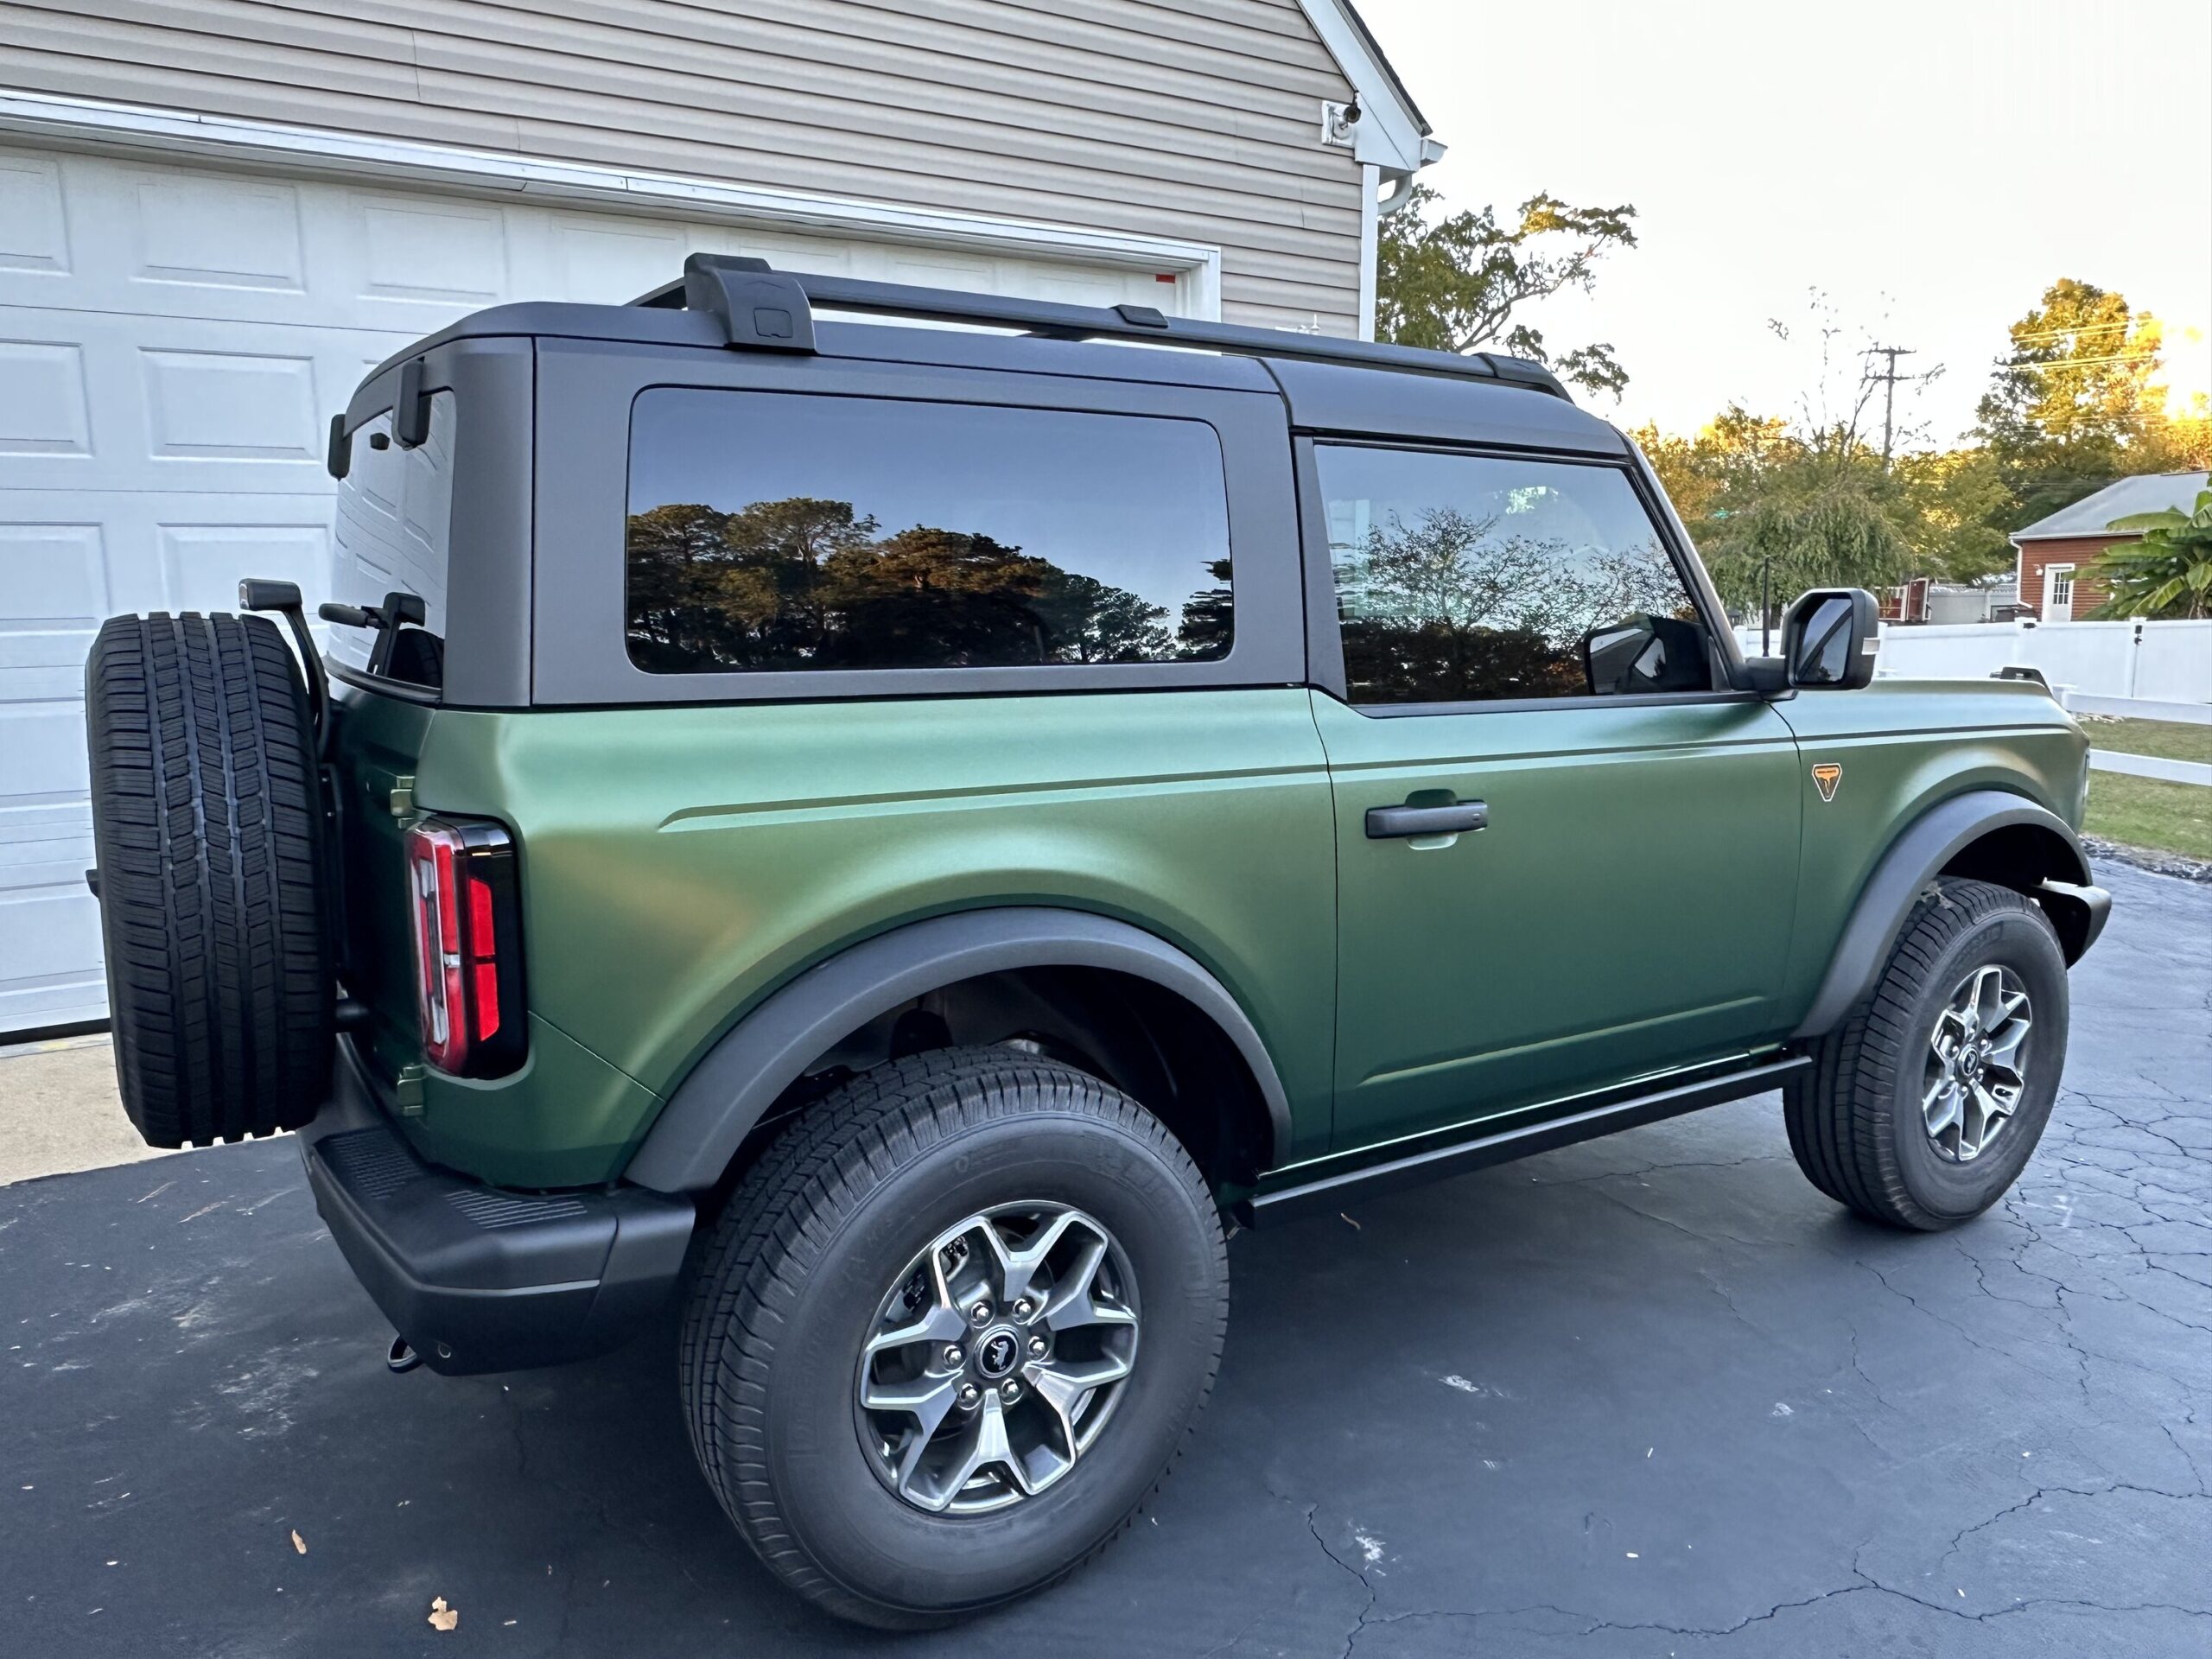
[{"x": 443, "y": 1617}]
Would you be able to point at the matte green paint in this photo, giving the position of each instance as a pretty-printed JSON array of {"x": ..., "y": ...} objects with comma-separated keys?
[
  {"x": 1627, "y": 909},
  {"x": 1906, "y": 746},
  {"x": 678, "y": 863},
  {"x": 1661, "y": 885}
]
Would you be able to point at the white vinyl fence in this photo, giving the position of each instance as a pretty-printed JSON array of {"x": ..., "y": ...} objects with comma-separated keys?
[{"x": 2162, "y": 662}]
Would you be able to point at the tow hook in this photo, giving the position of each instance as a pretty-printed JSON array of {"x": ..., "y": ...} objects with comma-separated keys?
[{"x": 401, "y": 1358}]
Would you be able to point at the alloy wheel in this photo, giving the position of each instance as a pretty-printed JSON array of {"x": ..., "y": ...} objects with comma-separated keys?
[
  {"x": 1976, "y": 1071},
  {"x": 996, "y": 1358}
]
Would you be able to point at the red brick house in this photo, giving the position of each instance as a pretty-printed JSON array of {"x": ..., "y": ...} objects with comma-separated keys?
[{"x": 2052, "y": 552}]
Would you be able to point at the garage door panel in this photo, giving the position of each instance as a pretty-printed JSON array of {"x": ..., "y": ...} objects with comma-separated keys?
[
  {"x": 205, "y": 230},
  {"x": 50, "y": 973},
  {"x": 43, "y": 847},
  {"x": 52, "y": 593},
  {"x": 450, "y": 256},
  {"x": 229, "y": 406},
  {"x": 33, "y": 228},
  {"x": 598, "y": 257},
  {"x": 50, "y": 574},
  {"x": 122, "y": 401},
  {"x": 42, "y": 399},
  {"x": 813, "y": 254},
  {"x": 47, "y": 764},
  {"x": 202, "y": 564}
]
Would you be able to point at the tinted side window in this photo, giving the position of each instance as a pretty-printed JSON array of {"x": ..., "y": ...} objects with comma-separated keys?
[
  {"x": 394, "y": 532},
  {"x": 1473, "y": 578},
  {"x": 772, "y": 531}
]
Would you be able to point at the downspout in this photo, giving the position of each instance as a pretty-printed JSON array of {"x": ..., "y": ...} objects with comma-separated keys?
[
  {"x": 1371, "y": 215},
  {"x": 1370, "y": 246}
]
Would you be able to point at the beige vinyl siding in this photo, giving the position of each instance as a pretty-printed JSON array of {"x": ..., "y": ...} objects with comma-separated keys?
[{"x": 1191, "y": 119}]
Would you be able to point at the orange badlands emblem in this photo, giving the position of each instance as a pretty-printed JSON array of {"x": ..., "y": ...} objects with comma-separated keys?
[{"x": 1826, "y": 777}]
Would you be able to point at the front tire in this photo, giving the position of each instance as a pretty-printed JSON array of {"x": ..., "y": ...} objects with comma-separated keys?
[
  {"x": 899, "y": 1474},
  {"x": 1924, "y": 1105}
]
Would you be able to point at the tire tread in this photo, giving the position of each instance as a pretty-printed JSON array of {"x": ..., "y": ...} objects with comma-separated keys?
[
  {"x": 1839, "y": 1118},
  {"x": 207, "y": 826},
  {"x": 783, "y": 1214}
]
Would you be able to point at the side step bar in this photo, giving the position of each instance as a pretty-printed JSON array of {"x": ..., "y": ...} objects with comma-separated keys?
[{"x": 1479, "y": 1150}]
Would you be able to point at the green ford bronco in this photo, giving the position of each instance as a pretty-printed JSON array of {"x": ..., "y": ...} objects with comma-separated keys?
[{"x": 885, "y": 844}]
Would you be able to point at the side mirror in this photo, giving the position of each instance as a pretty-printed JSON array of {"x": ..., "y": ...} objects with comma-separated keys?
[{"x": 1829, "y": 637}]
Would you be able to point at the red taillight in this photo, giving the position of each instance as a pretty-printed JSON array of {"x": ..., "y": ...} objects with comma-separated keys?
[{"x": 460, "y": 877}]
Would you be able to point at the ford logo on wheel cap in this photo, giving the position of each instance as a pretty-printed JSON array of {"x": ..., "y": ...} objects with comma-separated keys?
[{"x": 997, "y": 1357}]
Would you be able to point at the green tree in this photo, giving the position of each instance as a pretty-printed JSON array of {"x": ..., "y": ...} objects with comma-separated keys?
[
  {"x": 2168, "y": 573},
  {"x": 1091, "y": 621},
  {"x": 1701, "y": 473},
  {"x": 2075, "y": 401},
  {"x": 1209, "y": 615},
  {"x": 1809, "y": 519},
  {"x": 1956, "y": 499},
  {"x": 1453, "y": 283},
  {"x": 1787, "y": 506},
  {"x": 796, "y": 582}
]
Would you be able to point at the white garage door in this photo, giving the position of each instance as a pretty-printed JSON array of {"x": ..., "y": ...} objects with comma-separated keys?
[{"x": 173, "y": 342}]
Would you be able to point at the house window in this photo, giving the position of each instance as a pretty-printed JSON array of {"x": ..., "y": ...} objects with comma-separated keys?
[{"x": 2058, "y": 592}]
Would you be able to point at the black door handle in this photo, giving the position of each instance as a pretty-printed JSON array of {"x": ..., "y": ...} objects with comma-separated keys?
[{"x": 1387, "y": 823}]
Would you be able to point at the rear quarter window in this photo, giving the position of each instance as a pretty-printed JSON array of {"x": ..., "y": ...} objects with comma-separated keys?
[
  {"x": 394, "y": 534},
  {"x": 780, "y": 531}
]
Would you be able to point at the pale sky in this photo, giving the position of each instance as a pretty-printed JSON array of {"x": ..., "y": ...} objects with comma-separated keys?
[{"x": 1930, "y": 166}]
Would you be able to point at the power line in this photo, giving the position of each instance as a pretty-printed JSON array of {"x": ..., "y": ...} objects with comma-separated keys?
[
  {"x": 2149, "y": 354},
  {"x": 2058, "y": 329}
]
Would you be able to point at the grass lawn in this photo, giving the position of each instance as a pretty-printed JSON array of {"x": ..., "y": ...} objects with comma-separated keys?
[
  {"x": 2147, "y": 812},
  {"x": 2166, "y": 738}
]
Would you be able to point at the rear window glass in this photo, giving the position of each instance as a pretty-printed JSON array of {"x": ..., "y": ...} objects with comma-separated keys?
[
  {"x": 782, "y": 532},
  {"x": 394, "y": 535}
]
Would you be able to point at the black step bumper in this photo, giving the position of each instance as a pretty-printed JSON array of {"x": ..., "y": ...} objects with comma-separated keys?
[{"x": 476, "y": 1278}]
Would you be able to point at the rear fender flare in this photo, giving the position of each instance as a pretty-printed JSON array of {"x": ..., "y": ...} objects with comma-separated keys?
[
  {"x": 707, "y": 1119},
  {"x": 1915, "y": 859}
]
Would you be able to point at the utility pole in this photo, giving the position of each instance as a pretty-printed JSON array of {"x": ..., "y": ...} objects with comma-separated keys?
[{"x": 1889, "y": 378}]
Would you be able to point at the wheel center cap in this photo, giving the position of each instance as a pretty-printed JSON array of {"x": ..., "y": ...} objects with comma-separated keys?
[{"x": 997, "y": 1353}]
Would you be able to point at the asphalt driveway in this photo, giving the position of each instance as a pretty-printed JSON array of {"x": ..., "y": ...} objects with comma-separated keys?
[{"x": 1652, "y": 1396}]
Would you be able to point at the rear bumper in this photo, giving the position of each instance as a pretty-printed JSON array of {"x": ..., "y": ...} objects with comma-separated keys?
[{"x": 475, "y": 1278}]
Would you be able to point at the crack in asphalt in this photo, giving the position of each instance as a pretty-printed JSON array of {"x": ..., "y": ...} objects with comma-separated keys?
[{"x": 1351, "y": 1637}]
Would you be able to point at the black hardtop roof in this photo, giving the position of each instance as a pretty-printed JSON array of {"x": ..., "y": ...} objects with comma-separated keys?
[{"x": 1331, "y": 384}]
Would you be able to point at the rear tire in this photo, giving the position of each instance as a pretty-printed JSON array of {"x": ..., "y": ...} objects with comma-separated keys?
[
  {"x": 786, "y": 1316},
  {"x": 1862, "y": 1125},
  {"x": 207, "y": 827}
]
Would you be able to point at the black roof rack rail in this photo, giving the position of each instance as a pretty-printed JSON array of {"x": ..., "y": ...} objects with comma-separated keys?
[{"x": 772, "y": 310}]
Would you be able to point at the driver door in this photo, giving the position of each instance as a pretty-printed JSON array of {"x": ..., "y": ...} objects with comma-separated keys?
[{"x": 1565, "y": 859}]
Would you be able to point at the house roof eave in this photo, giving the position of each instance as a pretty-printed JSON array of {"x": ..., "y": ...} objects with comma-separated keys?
[{"x": 1392, "y": 133}]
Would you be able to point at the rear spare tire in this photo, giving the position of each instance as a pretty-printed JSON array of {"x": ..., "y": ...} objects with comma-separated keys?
[{"x": 206, "y": 825}]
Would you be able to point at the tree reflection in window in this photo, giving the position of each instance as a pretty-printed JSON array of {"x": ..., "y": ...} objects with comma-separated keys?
[
  {"x": 1491, "y": 591},
  {"x": 780, "y": 532},
  {"x": 809, "y": 584}
]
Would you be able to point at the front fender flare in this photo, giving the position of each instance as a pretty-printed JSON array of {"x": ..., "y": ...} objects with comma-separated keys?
[
  {"x": 1914, "y": 860},
  {"x": 699, "y": 1131}
]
